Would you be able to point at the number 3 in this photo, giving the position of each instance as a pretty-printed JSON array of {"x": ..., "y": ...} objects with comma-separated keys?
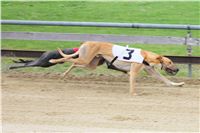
[{"x": 129, "y": 54}]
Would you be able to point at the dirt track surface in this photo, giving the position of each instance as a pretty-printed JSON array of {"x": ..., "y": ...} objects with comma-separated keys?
[{"x": 45, "y": 103}]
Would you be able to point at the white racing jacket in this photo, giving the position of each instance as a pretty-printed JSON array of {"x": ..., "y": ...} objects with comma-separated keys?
[{"x": 127, "y": 54}]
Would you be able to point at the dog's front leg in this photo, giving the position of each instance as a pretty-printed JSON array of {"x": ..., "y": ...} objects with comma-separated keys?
[
  {"x": 135, "y": 69},
  {"x": 151, "y": 71}
]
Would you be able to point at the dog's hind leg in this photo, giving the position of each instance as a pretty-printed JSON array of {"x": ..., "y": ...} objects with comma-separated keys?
[
  {"x": 84, "y": 58},
  {"x": 17, "y": 66},
  {"x": 92, "y": 65},
  {"x": 68, "y": 70},
  {"x": 22, "y": 61},
  {"x": 151, "y": 71},
  {"x": 21, "y": 64}
]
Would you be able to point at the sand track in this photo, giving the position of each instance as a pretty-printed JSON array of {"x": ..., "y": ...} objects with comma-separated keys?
[{"x": 44, "y": 103}]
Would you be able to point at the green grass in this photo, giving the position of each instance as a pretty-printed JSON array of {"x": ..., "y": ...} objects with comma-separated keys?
[
  {"x": 37, "y": 45},
  {"x": 130, "y": 12},
  {"x": 146, "y": 12},
  {"x": 46, "y": 45}
]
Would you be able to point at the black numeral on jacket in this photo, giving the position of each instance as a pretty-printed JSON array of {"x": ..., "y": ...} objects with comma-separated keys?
[{"x": 129, "y": 54}]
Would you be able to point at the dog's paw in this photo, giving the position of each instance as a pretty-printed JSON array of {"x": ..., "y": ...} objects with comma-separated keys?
[
  {"x": 178, "y": 84},
  {"x": 63, "y": 75},
  {"x": 52, "y": 61},
  {"x": 134, "y": 94}
]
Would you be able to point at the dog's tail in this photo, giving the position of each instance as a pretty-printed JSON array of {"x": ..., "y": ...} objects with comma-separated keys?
[{"x": 74, "y": 55}]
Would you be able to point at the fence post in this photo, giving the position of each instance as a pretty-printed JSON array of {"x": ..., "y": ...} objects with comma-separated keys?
[{"x": 189, "y": 50}]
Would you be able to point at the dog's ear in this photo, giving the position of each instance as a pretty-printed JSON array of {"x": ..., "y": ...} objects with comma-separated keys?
[
  {"x": 82, "y": 43},
  {"x": 160, "y": 58}
]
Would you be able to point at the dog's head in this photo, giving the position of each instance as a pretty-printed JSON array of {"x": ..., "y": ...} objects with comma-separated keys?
[{"x": 167, "y": 65}]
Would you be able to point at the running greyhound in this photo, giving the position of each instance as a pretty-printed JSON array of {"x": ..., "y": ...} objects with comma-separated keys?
[
  {"x": 43, "y": 60},
  {"x": 128, "y": 59}
]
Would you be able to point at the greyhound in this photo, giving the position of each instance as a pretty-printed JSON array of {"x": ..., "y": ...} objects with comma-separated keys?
[
  {"x": 43, "y": 60},
  {"x": 130, "y": 60}
]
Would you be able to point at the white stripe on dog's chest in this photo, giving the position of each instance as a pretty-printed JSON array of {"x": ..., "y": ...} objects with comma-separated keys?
[{"x": 127, "y": 54}]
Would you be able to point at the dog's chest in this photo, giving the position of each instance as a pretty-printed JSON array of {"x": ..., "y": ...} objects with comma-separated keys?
[{"x": 127, "y": 54}]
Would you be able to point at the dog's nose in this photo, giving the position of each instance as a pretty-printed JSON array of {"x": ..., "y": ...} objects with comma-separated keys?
[{"x": 177, "y": 70}]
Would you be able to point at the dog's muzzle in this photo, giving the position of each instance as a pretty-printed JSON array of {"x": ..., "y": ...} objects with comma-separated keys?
[{"x": 170, "y": 70}]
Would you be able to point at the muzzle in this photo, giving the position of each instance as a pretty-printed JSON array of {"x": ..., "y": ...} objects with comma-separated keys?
[{"x": 170, "y": 70}]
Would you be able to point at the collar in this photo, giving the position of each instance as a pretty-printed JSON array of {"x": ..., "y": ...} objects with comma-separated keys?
[{"x": 145, "y": 63}]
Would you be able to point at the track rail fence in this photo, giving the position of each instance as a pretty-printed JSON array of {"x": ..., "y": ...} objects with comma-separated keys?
[
  {"x": 188, "y": 40},
  {"x": 35, "y": 54},
  {"x": 101, "y": 24}
]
